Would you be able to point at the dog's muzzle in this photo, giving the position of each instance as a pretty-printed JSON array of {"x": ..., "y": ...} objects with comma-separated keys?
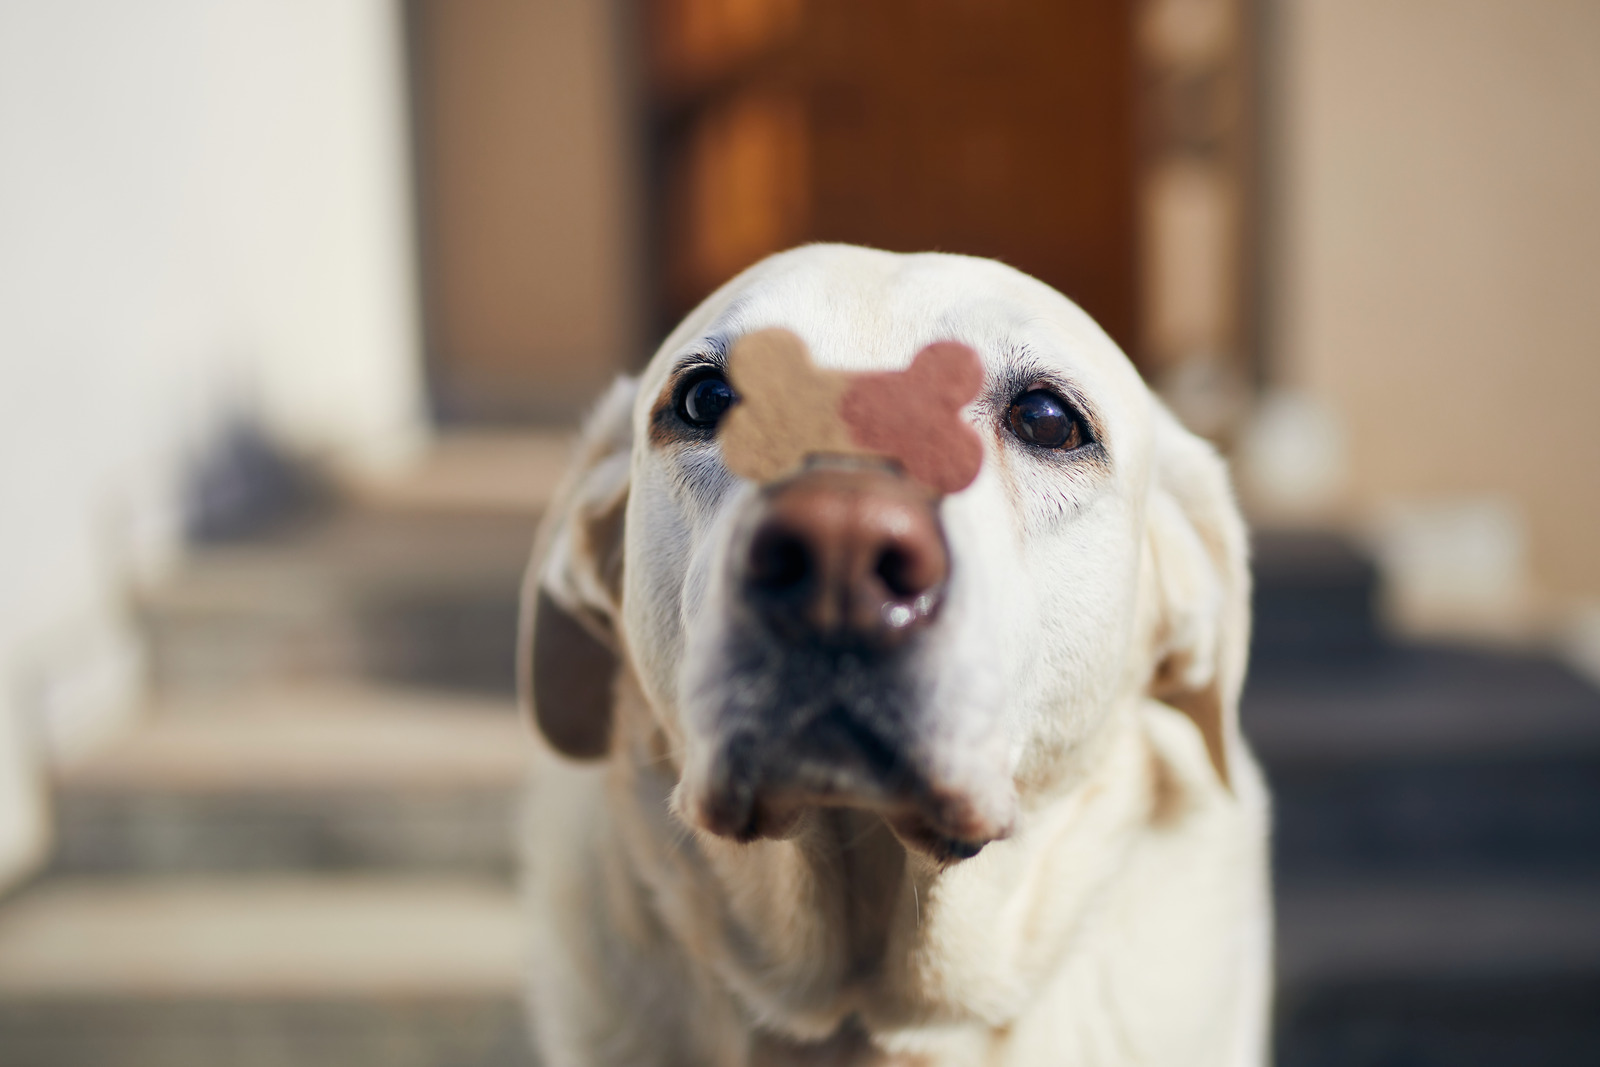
[{"x": 839, "y": 571}]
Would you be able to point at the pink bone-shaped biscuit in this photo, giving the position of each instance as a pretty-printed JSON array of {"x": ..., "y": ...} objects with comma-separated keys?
[{"x": 914, "y": 415}]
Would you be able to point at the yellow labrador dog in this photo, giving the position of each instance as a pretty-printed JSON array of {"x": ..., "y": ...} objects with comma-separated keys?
[{"x": 943, "y": 780}]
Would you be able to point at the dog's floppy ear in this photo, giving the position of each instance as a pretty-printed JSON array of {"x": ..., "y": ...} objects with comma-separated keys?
[
  {"x": 1199, "y": 576},
  {"x": 567, "y": 650}
]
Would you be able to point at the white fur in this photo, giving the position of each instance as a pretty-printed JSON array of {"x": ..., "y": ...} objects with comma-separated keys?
[{"x": 1124, "y": 920}]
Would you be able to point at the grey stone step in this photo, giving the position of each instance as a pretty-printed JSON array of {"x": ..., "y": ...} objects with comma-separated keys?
[
  {"x": 1481, "y": 817},
  {"x": 1418, "y": 701},
  {"x": 261, "y": 972},
  {"x": 1334, "y": 932},
  {"x": 1313, "y": 594},
  {"x": 483, "y": 471},
  {"x": 308, "y": 777},
  {"x": 269, "y": 971},
  {"x": 477, "y": 1031},
  {"x": 1430, "y": 760},
  {"x": 1458, "y": 973},
  {"x": 417, "y": 596}
]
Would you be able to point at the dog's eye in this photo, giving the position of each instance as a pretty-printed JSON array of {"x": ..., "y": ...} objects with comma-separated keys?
[
  {"x": 705, "y": 400},
  {"x": 1041, "y": 418}
]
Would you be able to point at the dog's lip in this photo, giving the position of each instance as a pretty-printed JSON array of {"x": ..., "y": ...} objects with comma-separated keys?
[
  {"x": 941, "y": 823},
  {"x": 759, "y": 782},
  {"x": 936, "y": 842}
]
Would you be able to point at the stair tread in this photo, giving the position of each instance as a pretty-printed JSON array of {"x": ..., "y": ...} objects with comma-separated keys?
[
  {"x": 1427, "y": 702},
  {"x": 1367, "y": 930},
  {"x": 477, "y": 471},
  {"x": 317, "y": 562},
  {"x": 298, "y": 936},
  {"x": 313, "y": 737},
  {"x": 262, "y": 937},
  {"x": 416, "y": 597}
]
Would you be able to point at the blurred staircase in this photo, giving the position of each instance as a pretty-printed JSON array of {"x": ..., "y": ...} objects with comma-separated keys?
[
  {"x": 303, "y": 853},
  {"x": 1437, "y": 833}
]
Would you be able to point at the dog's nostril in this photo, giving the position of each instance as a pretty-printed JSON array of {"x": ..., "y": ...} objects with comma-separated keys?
[
  {"x": 779, "y": 561},
  {"x": 908, "y": 571},
  {"x": 845, "y": 557},
  {"x": 897, "y": 571}
]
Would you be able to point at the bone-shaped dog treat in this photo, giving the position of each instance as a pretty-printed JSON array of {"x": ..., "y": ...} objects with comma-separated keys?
[{"x": 789, "y": 409}]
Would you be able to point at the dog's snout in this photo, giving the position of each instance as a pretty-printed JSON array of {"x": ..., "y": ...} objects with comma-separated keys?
[{"x": 853, "y": 556}]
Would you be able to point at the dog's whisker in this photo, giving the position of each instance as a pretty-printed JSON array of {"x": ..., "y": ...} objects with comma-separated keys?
[{"x": 865, "y": 832}]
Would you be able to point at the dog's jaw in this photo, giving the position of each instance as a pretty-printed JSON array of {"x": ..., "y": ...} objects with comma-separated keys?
[
  {"x": 773, "y": 732},
  {"x": 943, "y": 824}
]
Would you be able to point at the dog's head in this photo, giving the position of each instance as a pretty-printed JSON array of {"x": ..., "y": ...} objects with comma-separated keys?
[{"x": 843, "y": 633}]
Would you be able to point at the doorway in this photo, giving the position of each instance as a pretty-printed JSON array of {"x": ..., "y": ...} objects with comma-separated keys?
[{"x": 590, "y": 169}]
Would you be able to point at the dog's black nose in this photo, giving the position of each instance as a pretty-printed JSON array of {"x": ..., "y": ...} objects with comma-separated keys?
[{"x": 848, "y": 556}]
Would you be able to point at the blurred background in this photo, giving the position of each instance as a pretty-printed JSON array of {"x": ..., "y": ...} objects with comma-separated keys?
[{"x": 300, "y": 300}]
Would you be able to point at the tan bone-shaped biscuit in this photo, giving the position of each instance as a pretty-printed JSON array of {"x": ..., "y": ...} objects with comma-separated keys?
[{"x": 789, "y": 409}]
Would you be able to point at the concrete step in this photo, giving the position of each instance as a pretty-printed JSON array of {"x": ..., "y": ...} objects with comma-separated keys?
[
  {"x": 1314, "y": 594},
  {"x": 300, "y": 777},
  {"x": 1409, "y": 701},
  {"x": 261, "y": 972},
  {"x": 427, "y": 597},
  {"x": 1467, "y": 818},
  {"x": 1334, "y": 932},
  {"x": 1455, "y": 973},
  {"x": 480, "y": 471},
  {"x": 1429, "y": 761},
  {"x": 247, "y": 971}
]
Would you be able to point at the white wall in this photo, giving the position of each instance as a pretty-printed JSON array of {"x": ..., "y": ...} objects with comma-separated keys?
[
  {"x": 1440, "y": 266},
  {"x": 204, "y": 212}
]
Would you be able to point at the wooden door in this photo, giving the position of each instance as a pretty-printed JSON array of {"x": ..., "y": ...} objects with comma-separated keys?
[
  {"x": 590, "y": 169},
  {"x": 1004, "y": 128}
]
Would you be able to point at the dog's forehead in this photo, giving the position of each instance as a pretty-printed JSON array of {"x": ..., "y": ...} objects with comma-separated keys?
[{"x": 862, "y": 309}]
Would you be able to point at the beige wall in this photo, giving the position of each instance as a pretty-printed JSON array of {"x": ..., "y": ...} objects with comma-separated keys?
[
  {"x": 529, "y": 203},
  {"x": 1440, "y": 254}
]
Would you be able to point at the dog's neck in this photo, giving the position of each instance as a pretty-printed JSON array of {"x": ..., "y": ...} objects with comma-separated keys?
[{"x": 839, "y": 920}]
